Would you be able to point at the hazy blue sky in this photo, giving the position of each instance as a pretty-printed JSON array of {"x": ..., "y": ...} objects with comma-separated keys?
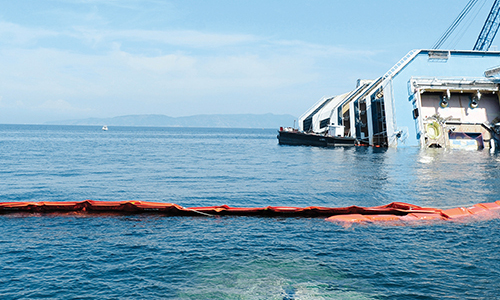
[{"x": 66, "y": 59}]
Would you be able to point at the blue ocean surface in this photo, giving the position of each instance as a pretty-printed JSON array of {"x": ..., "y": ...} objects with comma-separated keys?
[{"x": 153, "y": 256}]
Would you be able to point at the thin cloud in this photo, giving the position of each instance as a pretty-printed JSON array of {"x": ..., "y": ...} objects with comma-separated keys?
[
  {"x": 129, "y": 4},
  {"x": 60, "y": 106},
  {"x": 184, "y": 38},
  {"x": 14, "y": 34},
  {"x": 323, "y": 49}
]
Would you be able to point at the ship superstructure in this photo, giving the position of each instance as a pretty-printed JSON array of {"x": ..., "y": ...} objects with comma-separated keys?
[{"x": 430, "y": 98}]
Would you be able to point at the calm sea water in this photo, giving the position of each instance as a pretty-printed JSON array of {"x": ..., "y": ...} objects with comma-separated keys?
[{"x": 159, "y": 257}]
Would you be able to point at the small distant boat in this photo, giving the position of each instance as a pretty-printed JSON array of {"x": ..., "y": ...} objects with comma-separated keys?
[{"x": 105, "y": 128}]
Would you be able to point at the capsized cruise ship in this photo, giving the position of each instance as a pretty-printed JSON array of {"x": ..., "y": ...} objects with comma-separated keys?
[{"x": 430, "y": 98}]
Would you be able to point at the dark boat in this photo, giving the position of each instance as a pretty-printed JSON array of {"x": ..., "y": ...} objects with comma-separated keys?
[{"x": 289, "y": 136}]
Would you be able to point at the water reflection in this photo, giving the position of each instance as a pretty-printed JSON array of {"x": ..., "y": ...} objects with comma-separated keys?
[
  {"x": 450, "y": 178},
  {"x": 371, "y": 176}
]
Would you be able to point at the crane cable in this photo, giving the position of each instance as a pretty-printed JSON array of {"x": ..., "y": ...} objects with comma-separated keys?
[
  {"x": 454, "y": 41},
  {"x": 455, "y": 23}
]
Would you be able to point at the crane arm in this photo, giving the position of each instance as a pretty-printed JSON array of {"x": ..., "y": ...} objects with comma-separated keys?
[{"x": 490, "y": 28}]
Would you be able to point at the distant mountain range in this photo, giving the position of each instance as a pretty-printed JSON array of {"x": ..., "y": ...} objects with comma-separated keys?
[{"x": 221, "y": 121}]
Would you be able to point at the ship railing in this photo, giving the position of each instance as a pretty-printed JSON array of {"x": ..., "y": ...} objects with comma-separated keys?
[
  {"x": 455, "y": 83},
  {"x": 401, "y": 63}
]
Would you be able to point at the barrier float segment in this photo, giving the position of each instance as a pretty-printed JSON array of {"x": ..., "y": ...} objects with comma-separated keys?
[
  {"x": 482, "y": 211},
  {"x": 395, "y": 211}
]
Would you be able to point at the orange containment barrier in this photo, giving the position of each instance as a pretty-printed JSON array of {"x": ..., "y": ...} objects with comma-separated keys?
[
  {"x": 89, "y": 206},
  {"x": 396, "y": 211}
]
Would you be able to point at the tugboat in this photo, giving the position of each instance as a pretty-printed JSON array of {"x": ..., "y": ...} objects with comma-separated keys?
[{"x": 294, "y": 137}]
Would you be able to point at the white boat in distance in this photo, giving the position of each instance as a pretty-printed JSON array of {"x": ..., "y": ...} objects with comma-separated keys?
[{"x": 105, "y": 128}]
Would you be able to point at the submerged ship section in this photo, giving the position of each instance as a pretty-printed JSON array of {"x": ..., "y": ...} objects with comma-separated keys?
[
  {"x": 456, "y": 113},
  {"x": 430, "y": 98}
]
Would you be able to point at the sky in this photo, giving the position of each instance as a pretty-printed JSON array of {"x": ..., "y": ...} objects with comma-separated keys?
[{"x": 74, "y": 59}]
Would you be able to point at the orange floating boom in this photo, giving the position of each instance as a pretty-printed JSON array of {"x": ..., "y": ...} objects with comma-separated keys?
[{"x": 395, "y": 211}]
